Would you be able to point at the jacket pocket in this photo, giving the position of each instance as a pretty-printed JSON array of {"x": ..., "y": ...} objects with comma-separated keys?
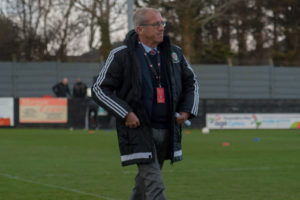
[
  {"x": 127, "y": 136},
  {"x": 134, "y": 135}
]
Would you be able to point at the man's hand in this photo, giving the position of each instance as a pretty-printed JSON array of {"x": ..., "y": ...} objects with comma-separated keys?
[
  {"x": 183, "y": 116},
  {"x": 132, "y": 121}
]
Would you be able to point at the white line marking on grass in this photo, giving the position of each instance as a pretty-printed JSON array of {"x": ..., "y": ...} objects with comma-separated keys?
[{"x": 55, "y": 186}]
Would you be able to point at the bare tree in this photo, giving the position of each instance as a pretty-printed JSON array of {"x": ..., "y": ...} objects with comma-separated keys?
[
  {"x": 68, "y": 24},
  {"x": 101, "y": 19},
  {"x": 27, "y": 13},
  {"x": 47, "y": 26}
]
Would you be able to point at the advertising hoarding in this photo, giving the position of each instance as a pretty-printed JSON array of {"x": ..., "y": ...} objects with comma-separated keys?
[
  {"x": 6, "y": 111},
  {"x": 43, "y": 110},
  {"x": 253, "y": 120}
]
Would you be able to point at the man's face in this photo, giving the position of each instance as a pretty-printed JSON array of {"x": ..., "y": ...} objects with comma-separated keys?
[
  {"x": 152, "y": 32},
  {"x": 65, "y": 81}
]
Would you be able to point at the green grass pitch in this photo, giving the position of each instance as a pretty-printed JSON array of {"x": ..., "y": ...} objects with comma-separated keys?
[{"x": 55, "y": 164}]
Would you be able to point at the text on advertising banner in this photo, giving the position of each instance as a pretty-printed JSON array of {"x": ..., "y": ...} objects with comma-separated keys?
[
  {"x": 253, "y": 120},
  {"x": 43, "y": 110}
]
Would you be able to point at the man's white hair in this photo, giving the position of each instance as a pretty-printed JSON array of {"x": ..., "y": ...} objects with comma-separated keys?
[{"x": 139, "y": 16}]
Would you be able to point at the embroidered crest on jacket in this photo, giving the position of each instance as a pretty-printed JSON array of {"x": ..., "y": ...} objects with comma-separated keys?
[{"x": 175, "y": 58}]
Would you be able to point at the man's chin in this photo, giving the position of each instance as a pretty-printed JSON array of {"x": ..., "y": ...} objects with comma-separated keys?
[{"x": 160, "y": 39}]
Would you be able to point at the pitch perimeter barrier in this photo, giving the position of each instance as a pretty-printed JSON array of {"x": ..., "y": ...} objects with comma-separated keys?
[
  {"x": 53, "y": 113},
  {"x": 35, "y": 79},
  {"x": 85, "y": 114}
]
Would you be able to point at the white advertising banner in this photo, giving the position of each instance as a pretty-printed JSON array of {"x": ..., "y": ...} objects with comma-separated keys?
[
  {"x": 253, "y": 120},
  {"x": 6, "y": 112}
]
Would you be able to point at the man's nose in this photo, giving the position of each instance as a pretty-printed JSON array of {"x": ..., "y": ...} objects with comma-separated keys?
[{"x": 161, "y": 27}]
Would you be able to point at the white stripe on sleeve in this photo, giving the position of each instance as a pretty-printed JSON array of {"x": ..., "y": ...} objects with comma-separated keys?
[
  {"x": 98, "y": 91},
  {"x": 196, "y": 90}
]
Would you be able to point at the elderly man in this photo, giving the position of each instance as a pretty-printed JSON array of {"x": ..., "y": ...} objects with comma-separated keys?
[{"x": 144, "y": 83}]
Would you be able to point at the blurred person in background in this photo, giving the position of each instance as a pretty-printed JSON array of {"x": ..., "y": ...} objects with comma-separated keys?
[
  {"x": 79, "y": 89},
  {"x": 144, "y": 83},
  {"x": 61, "y": 89}
]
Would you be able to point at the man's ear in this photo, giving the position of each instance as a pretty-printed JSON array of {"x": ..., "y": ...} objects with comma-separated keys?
[{"x": 139, "y": 29}]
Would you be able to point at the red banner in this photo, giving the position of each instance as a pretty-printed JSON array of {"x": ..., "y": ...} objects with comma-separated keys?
[{"x": 43, "y": 110}]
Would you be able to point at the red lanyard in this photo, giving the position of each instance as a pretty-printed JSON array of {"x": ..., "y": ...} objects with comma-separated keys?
[{"x": 157, "y": 75}]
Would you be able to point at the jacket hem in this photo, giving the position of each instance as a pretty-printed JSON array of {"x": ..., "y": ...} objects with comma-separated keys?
[{"x": 136, "y": 161}]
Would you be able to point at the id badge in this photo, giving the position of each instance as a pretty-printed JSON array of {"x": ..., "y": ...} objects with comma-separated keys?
[{"x": 160, "y": 93}]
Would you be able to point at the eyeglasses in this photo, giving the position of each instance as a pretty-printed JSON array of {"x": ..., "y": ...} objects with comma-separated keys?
[{"x": 155, "y": 25}]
